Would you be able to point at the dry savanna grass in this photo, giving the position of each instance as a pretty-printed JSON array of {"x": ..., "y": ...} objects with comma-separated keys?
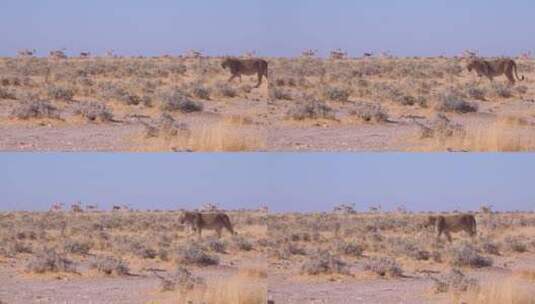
[
  {"x": 310, "y": 103},
  {"x": 509, "y": 134},
  {"x": 361, "y": 248},
  {"x": 508, "y": 291},
  {"x": 240, "y": 289},
  {"x": 151, "y": 246}
]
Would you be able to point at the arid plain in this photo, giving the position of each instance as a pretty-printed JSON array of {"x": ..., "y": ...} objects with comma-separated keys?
[
  {"x": 310, "y": 104},
  {"x": 129, "y": 257},
  {"x": 337, "y": 257},
  {"x": 379, "y": 257}
]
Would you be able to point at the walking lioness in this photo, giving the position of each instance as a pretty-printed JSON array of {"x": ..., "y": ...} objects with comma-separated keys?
[
  {"x": 494, "y": 68},
  {"x": 240, "y": 67},
  {"x": 452, "y": 223},
  {"x": 214, "y": 221}
]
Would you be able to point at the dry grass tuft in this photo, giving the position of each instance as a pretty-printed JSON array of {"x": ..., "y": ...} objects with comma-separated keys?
[
  {"x": 236, "y": 290},
  {"x": 510, "y": 291},
  {"x": 504, "y": 135}
]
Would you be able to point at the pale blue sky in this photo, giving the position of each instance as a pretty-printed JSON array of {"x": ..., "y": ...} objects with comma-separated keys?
[
  {"x": 285, "y": 182},
  {"x": 273, "y": 28}
]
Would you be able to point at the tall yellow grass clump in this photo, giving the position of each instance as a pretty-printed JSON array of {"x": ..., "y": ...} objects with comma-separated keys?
[
  {"x": 237, "y": 290},
  {"x": 219, "y": 137},
  {"x": 509, "y": 291},
  {"x": 223, "y": 137},
  {"x": 504, "y": 135}
]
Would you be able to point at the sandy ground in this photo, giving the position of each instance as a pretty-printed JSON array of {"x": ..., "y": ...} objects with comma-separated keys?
[{"x": 143, "y": 287}]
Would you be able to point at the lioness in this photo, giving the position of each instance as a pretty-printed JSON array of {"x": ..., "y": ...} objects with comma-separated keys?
[
  {"x": 452, "y": 223},
  {"x": 240, "y": 67},
  {"x": 494, "y": 68},
  {"x": 199, "y": 221}
]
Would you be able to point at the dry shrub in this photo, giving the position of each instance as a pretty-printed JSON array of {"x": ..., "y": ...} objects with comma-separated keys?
[
  {"x": 60, "y": 93},
  {"x": 77, "y": 247},
  {"x": 109, "y": 265},
  {"x": 383, "y": 266},
  {"x": 194, "y": 254},
  {"x": 48, "y": 260},
  {"x": 502, "y": 90},
  {"x": 223, "y": 89},
  {"x": 279, "y": 94},
  {"x": 324, "y": 263},
  {"x": 451, "y": 102},
  {"x": 349, "y": 248},
  {"x": 515, "y": 244},
  {"x": 94, "y": 111},
  {"x": 166, "y": 126},
  {"x": 311, "y": 110},
  {"x": 175, "y": 100},
  {"x": 465, "y": 255},
  {"x": 182, "y": 279},
  {"x": 370, "y": 112},
  {"x": 442, "y": 128},
  {"x": 454, "y": 281},
  {"x": 7, "y": 94},
  {"x": 35, "y": 109},
  {"x": 336, "y": 93},
  {"x": 200, "y": 91}
]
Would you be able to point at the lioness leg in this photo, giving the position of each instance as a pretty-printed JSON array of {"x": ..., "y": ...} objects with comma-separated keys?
[
  {"x": 439, "y": 233},
  {"x": 509, "y": 74},
  {"x": 232, "y": 77},
  {"x": 218, "y": 230},
  {"x": 448, "y": 235},
  {"x": 199, "y": 233},
  {"x": 260, "y": 76}
]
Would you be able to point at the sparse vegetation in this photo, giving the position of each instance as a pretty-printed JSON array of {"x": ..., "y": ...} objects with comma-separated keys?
[
  {"x": 465, "y": 255},
  {"x": 383, "y": 266},
  {"x": 450, "y": 102},
  {"x": 311, "y": 110},
  {"x": 370, "y": 112},
  {"x": 35, "y": 109},
  {"x": 196, "y": 255},
  {"x": 48, "y": 260},
  {"x": 324, "y": 263},
  {"x": 110, "y": 265},
  {"x": 177, "y": 101},
  {"x": 94, "y": 111}
]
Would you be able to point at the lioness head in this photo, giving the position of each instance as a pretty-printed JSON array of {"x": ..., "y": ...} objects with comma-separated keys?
[
  {"x": 186, "y": 217},
  {"x": 474, "y": 64},
  {"x": 226, "y": 63},
  {"x": 431, "y": 220}
]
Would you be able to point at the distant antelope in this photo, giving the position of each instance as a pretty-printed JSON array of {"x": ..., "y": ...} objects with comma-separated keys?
[
  {"x": 58, "y": 54},
  {"x": 338, "y": 54},
  {"x": 525, "y": 55},
  {"x": 367, "y": 54},
  {"x": 249, "y": 54},
  {"x": 91, "y": 207},
  {"x": 193, "y": 54},
  {"x": 57, "y": 207},
  {"x": 309, "y": 53},
  {"x": 26, "y": 53},
  {"x": 209, "y": 207},
  {"x": 85, "y": 54},
  {"x": 76, "y": 208}
]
